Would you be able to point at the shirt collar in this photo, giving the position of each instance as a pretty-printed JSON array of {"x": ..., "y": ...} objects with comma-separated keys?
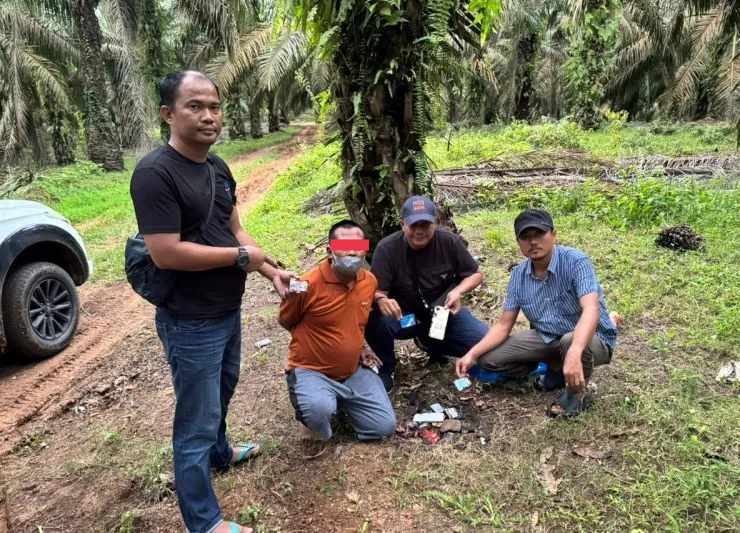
[
  {"x": 328, "y": 275},
  {"x": 550, "y": 268}
]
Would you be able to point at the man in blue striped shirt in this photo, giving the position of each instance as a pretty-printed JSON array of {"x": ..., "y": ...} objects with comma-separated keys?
[{"x": 557, "y": 289}]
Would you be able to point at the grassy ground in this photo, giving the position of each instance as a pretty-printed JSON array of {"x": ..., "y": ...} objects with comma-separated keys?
[
  {"x": 665, "y": 434},
  {"x": 99, "y": 205},
  {"x": 668, "y": 430}
]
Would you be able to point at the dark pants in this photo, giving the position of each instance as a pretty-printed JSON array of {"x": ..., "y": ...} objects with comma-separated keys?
[
  {"x": 521, "y": 352},
  {"x": 463, "y": 332},
  {"x": 204, "y": 357}
]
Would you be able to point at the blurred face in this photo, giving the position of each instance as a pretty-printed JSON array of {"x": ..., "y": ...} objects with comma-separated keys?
[
  {"x": 419, "y": 233},
  {"x": 196, "y": 117},
  {"x": 536, "y": 244},
  {"x": 347, "y": 233}
]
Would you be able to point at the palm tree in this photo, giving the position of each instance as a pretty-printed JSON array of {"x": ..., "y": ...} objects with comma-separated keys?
[
  {"x": 32, "y": 76},
  {"x": 382, "y": 55}
]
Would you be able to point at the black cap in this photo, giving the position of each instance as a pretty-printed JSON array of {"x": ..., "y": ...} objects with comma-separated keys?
[{"x": 533, "y": 218}]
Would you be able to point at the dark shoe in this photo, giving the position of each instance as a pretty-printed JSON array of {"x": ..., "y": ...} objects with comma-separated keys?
[
  {"x": 439, "y": 360},
  {"x": 388, "y": 379},
  {"x": 550, "y": 380},
  {"x": 569, "y": 406},
  {"x": 421, "y": 345}
]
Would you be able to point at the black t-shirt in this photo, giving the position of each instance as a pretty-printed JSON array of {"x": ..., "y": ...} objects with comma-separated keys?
[
  {"x": 171, "y": 194},
  {"x": 442, "y": 262}
]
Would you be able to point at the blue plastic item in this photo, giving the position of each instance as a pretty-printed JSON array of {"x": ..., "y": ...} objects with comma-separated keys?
[{"x": 489, "y": 376}]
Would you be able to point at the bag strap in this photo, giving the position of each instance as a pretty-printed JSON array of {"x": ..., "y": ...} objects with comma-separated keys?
[{"x": 212, "y": 176}]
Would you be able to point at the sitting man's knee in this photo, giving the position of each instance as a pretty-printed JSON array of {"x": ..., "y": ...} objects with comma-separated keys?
[{"x": 318, "y": 409}]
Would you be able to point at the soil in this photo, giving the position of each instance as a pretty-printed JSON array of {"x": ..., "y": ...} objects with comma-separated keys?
[{"x": 79, "y": 433}]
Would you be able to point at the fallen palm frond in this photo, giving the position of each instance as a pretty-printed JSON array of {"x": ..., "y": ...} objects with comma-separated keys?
[{"x": 471, "y": 186}]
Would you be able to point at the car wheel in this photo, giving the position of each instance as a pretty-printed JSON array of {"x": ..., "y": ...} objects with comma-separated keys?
[{"x": 40, "y": 310}]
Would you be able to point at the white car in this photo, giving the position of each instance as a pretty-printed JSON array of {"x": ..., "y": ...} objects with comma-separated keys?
[{"x": 42, "y": 260}]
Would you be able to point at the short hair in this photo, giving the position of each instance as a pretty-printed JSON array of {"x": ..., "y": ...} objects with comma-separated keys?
[
  {"x": 346, "y": 223},
  {"x": 169, "y": 86}
]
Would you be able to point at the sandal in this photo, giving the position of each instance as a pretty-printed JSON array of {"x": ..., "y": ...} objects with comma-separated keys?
[
  {"x": 235, "y": 528},
  {"x": 571, "y": 405},
  {"x": 550, "y": 380},
  {"x": 245, "y": 454}
]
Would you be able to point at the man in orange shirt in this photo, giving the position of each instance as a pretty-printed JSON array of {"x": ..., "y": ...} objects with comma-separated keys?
[{"x": 327, "y": 366}]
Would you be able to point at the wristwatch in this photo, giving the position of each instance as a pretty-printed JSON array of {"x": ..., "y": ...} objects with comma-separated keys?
[{"x": 243, "y": 260}]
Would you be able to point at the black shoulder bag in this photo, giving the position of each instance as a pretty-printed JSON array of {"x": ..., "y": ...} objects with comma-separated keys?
[{"x": 148, "y": 281}]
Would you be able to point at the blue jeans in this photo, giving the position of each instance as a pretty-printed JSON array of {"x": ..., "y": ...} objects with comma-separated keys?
[
  {"x": 204, "y": 356},
  {"x": 315, "y": 398},
  {"x": 463, "y": 332}
]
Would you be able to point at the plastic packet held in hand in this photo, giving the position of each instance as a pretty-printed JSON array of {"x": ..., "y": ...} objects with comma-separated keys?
[
  {"x": 297, "y": 285},
  {"x": 462, "y": 383},
  {"x": 408, "y": 320}
]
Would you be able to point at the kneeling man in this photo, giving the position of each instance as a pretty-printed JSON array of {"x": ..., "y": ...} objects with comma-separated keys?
[
  {"x": 327, "y": 364},
  {"x": 557, "y": 289}
]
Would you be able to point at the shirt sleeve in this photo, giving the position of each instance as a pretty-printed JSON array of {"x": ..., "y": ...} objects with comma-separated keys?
[
  {"x": 465, "y": 265},
  {"x": 292, "y": 310},
  {"x": 382, "y": 269},
  {"x": 155, "y": 204},
  {"x": 584, "y": 278},
  {"x": 511, "y": 303}
]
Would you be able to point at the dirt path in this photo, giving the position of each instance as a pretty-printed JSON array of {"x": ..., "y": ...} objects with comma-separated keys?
[
  {"x": 250, "y": 191},
  {"x": 110, "y": 315}
]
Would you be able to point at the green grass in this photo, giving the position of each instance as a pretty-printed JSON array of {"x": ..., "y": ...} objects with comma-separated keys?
[
  {"x": 99, "y": 206},
  {"x": 472, "y": 146}
]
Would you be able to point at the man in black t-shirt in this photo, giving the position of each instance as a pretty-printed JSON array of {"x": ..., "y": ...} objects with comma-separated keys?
[
  {"x": 200, "y": 324},
  {"x": 418, "y": 268}
]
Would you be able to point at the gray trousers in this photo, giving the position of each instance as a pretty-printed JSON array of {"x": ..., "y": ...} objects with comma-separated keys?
[
  {"x": 520, "y": 353},
  {"x": 315, "y": 398}
]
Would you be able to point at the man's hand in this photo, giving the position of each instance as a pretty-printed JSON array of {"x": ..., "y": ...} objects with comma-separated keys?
[
  {"x": 453, "y": 301},
  {"x": 369, "y": 359},
  {"x": 573, "y": 371},
  {"x": 390, "y": 307},
  {"x": 464, "y": 363},
  {"x": 281, "y": 282}
]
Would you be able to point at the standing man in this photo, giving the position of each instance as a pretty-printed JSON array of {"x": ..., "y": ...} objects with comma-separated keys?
[
  {"x": 418, "y": 268},
  {"x": 557, "y": 289},
  {"x": 327, "y": 366},
  {"x": 199, "y": 325}
]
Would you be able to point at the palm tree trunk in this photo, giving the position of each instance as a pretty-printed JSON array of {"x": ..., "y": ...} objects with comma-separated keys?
[
  {"x": 383, "y": 138},
  {"x": 284, "y": 117},
  {"x": 273, "y": 122},
  {"x": 100, "y": 132},
  {"x": 255, "y": 119},
  {"x": 236, "y": 114},
  {"x": 62, "y": 139}
]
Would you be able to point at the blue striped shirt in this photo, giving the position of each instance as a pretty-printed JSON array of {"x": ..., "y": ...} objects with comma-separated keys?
[{"x": 552, "y": 305}]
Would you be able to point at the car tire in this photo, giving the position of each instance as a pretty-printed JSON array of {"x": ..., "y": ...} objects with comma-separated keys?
[{"x": 41, "y": 310}]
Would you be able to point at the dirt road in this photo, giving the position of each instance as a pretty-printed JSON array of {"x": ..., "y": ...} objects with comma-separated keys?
[{"x": 110, "y": 315}]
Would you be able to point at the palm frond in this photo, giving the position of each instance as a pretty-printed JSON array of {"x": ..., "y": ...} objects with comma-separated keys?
[
  {"x": 226, "y": 68},
  {"x": 281, "y": 58}
]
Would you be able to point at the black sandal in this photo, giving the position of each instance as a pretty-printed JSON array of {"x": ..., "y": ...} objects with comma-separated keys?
[{"x": 571, "y": 405}]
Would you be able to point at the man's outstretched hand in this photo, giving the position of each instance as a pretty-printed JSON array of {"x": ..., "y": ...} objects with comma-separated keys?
[{"x": 281, "y": 282}]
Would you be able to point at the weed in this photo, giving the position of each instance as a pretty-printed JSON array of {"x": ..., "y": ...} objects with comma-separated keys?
[
  {"x": 250, "y": 514},
  {"x": 154, "y": 479}
]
